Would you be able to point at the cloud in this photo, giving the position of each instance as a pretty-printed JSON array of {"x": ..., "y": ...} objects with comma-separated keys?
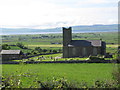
[
  {"x": 98, "y": 1},
  {"x": 57, "y": 13}
]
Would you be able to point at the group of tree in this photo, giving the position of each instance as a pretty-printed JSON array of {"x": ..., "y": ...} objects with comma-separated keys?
[
  {"x": 21, "y": 46},
  {"x": 35, "y": 51},
  {"x": 39, "y": 50},
  {"x": 5, "y": 47}
]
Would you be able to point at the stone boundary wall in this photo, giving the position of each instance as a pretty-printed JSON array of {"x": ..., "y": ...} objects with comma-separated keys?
[{"x": 71, "y": 61}]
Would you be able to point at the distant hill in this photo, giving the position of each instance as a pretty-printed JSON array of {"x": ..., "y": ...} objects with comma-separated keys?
[
  {"x": 97, "y": 27},
  {"x": 76, "y": 29}
]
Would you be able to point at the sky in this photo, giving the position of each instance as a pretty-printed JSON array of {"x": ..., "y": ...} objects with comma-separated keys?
[{"x": 40, "y": 14}]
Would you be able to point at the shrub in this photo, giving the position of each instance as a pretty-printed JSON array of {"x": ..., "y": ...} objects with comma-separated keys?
[
  {"x": 54, "y": 51},
  {"x": 14, "y": 81},
  {"x": 20, "y": 45},
  {"x": 11, "y": 82},
  {"x": 5, "y": 47},
  {"x": 104, "y": 84},
  {"x": 116, "y": 75},
  {"x": 96, "y": 58},
  {"x": 38, "y": 49},
  {"x": 56, "y": 83}
]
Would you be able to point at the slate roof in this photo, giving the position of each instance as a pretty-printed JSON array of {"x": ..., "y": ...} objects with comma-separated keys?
[
  {"x": 86, "y": 43},
  {"x": 10, "y": 52}
]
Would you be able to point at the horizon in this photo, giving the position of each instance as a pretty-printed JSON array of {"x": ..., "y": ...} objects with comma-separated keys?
[
  {"x": 39, "y": 14},
  {"x": 76, "y": 29},
  {"x": 57, "y": 27}
]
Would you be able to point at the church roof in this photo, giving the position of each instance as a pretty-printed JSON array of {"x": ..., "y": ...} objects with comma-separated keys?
[
  {"x": 10, "y": 52},
  {"x": 86, "y": 43}
]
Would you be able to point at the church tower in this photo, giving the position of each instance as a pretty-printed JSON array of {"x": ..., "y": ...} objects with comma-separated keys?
[{"x": 67, "y": 37}]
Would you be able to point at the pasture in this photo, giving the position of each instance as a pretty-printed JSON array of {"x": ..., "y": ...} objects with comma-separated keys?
[
  {"x": 77, "y": 72},
  {"x": 46, "y": 39},
  {"x": 89, "y": 73},
  {"x": 54, "y": 41}
]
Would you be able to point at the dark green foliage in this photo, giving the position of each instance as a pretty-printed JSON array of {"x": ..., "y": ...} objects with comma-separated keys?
[
  {"x": 44, "y": 50},
  {"x": 96, "y": 58},
  {"x": 21, "y": 45},
  {"x": 104, "y": 84},
  {"x": 116, "y": 76},
  {"x": 54, "y": 51},
  {"x": 115, "y": 56},
  {"x": 11, "y": 82},
  {"x": 14, "y": 81},
  {"x": 5, "y": 47},
  {"x": 38, "y": 49},
  {"x": 56, "y": 83}
]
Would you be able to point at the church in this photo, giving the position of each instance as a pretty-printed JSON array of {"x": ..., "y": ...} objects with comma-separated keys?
[{"x": 81, "y": 48}]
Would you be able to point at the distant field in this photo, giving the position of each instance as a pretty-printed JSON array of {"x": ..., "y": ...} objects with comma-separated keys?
[
  {"x": 109, "y": 47},
  {"x": 113, "y": 46},
  {"x": 48, "y": 41},
  {"x": 44, "y": 46},
  {"x": 44, "y": 39},
  {"x": 72, "y": 72}
]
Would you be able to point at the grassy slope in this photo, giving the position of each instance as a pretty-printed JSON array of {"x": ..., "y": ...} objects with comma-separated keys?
[{"x": 73, "y": 72}]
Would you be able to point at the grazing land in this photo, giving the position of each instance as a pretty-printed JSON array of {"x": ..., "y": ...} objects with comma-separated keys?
[
  {"x": 72, "y": 72},
  {"x": 54, "y": 41},
  {"x": 28, "y": 74}
]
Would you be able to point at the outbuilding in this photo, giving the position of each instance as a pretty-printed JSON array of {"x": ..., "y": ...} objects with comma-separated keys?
[{"x": 10, "y": 54}]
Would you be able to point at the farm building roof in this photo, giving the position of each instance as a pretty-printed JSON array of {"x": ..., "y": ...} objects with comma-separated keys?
[
  {"x": 96, "y": 43},
  {"x": 10, "y": 52}
]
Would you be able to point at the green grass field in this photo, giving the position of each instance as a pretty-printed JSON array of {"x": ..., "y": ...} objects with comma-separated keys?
[
  {"x": 72, "y": 72},
  {"x": 28, "y": 73},
  {"x": 108, "y": 37},
  {"x": 32, "y": 41}
]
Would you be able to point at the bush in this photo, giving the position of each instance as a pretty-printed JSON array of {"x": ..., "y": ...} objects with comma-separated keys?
[
  {"x": 96, "y": 58},
  {"x": 21, "y": 46},
  {"x": 56, "y": 83},
  {"x": 5, "y": 47},
  {"x": 14, "y": 81},
  {"x": 54, "y": 51},
  {"x": 38, "y": 49},
  {"x": 11, "y": 82},
  {"x": 116, "y": 75}
]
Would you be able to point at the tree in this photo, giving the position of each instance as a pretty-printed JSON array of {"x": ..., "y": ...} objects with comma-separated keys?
[
  {"x": 44, "y": 50},
  {"x": 54, "y": 51},
  {"x": 21, "y": 46},
  {"x": 38, "y": 49},
  {"x": 5, "y": 47}
]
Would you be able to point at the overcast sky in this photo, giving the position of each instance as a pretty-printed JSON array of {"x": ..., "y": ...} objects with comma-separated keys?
[{"x": 57, "y": 13}]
